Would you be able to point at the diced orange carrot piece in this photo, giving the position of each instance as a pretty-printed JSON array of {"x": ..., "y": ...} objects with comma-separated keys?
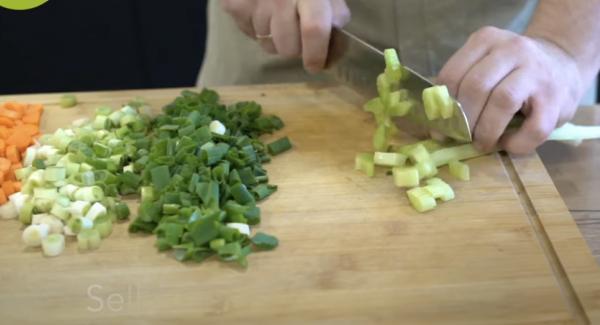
[
  {"x": 2, "y": 148},
  {"x": 5, "y": 121},
  {"x": 32, "y": 117},
  {"x": 4, "y": 132},
  {"x": 3, "y": 198},
  {"x": 17, "y": 186},
  {"x": 8, "y": 188},
  {"x": 4, "y": 164},
  {"x": 20, "y": 140},
  {"x": 30, "y": 129},
  {"x": 2, "y": 176},
  {"x": 12, "y": 154}
]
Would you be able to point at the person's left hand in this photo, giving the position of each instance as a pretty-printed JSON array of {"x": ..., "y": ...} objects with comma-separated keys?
[{"x": 497, "y": 73}]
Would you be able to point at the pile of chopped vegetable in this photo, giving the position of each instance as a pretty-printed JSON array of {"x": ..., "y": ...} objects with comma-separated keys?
[
  {"x": 72, "y": 180},
  {"x": 202, "y": 175},
  {"x": 413, "y": 164},
  {"x": 197, "y": 167}
]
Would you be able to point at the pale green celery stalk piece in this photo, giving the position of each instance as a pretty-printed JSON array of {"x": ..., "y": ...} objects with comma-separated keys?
[
  {"x": 437, "y": 102},
  {"x": 421, "y": 199},
  {"x": 463, "y": 152},
  {"x": 406, "y": 176},
  {"x": 60, "y": 211},
  {"x": 381, "y": 138},
  {"x": 439, "y": 189},
  {"x": 376, "y": 107},
  {"x": 401, "y": 108},
  {"x": 393, "y": 68},
  {"x": 389, "y": 159},
  {"x": 383, "y": 87},
  {"x": 418, "y": 153},
  {"x": 426, "y": 169},
  {"x": 364, "y": 162},
  {"x": 429, "y": 144},
  {"x": 459, "y": 169},
  {"x": 572, "y": 132}
]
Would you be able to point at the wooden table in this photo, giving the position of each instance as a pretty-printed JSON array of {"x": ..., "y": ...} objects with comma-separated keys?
[
  {"x": 505, "y": 251},
  {"x": 576, "y": 174}
]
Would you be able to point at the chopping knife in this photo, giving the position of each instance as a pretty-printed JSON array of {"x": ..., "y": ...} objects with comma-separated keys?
[{"x": 356, "y": 63}]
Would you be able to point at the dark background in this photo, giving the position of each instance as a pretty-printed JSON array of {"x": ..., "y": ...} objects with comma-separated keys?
[{"x": 78, "y": 45}]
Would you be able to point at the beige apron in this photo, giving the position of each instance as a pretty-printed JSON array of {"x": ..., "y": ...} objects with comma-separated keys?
[{"x": 426, "y": 32}]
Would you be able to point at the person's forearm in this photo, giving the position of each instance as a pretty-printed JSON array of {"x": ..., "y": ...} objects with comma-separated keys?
[{"x": 574, "y": 26}]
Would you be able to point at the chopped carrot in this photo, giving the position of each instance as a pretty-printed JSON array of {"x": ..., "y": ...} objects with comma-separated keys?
[
  {"x": 4, "y": 132},
  {"x": 20, "y": 140},
  {"x": 16, "y": 107},
  {"x": 8, "y": 188},
  {"x": 4, "y": 164},
  {"x": 19, "y": 127},
  {"x": 32, "y": 117},
  {"x": 3, "y": 198},
  {"x": 12, "y": 154},
  {"x": 29, "y": 129},
  {"x": 5, "y": 121}
]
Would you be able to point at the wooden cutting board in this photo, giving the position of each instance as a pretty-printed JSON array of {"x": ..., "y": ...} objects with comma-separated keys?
[{"x": 352, "y": 251}]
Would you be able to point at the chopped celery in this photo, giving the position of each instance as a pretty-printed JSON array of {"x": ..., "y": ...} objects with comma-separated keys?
[
  {"x": 55, "y": 174},
  {"x": 438, "y": 102},
  {"x": 421, "y": 199},
  {"x": 401, "y": 108},
  {"x": 418, "y": 154},
  {"x": 572, "y": 132},
  {"x": 463, "y": 152},
  {"x": 406, "y": 176},
  {"x": 381, "y": 138},
  {"x": 459, "y": 170},
  {"x": 389, "y": 159},
  {"x": 264, "y": 241},
  {"x": 439, "y": 189},
  {"x": 393, "y": 68},
  {"x": 34, "y": 234},
  {"x": 364, "y": 162},
  {"x": 426, "y": 169},
  {"x": 383, "y": 87}
]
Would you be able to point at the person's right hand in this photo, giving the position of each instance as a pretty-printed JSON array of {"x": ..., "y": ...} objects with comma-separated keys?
[{"x": 291, "y": 28}]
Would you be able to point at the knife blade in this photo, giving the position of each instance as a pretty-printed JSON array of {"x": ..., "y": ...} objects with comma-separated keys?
[{"x": 356, "y": 63}]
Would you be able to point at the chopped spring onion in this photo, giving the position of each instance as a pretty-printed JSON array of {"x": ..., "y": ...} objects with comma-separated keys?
[
  {"x": 8, "y": 211},
  {"x": 33, "y": 234},
  {"x": 279, "y": 146},
  {"x": 89, "y": 194},
  {"x": 88, "y": 239},
  {"x": 393, "y": 70},
  {"x": 95, "y": 211},
  {"x": 264, "y": 241},
  {"x": 217, "y": 127},
  {"x": 53, "y": 245},
  {"x": 243, "y": 228}
]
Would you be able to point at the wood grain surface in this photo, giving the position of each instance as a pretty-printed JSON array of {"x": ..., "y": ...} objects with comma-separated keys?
[
  {"x": 576, "y": 174},
  {"x": 352, "y": 251}
]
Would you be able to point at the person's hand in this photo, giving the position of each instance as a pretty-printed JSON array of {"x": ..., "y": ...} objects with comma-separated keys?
[
  {"x": 291, "y": 28},
  {"x": 497, "y": 73}
]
